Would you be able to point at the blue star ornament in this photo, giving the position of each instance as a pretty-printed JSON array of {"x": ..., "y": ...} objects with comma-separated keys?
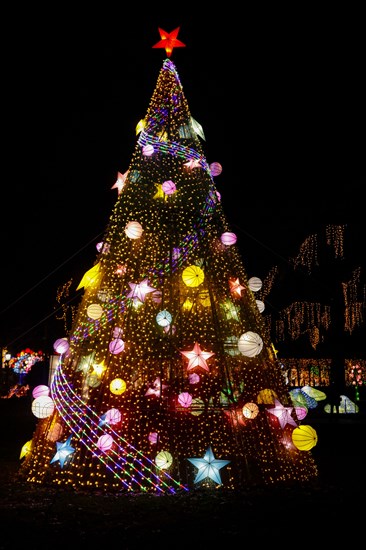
[
  {"x": 208, "y": 466},
  {"x": 63, "y": 451}
]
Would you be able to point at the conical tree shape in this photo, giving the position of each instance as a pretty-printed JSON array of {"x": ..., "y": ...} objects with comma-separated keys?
[{"x": 169, "y": 380}]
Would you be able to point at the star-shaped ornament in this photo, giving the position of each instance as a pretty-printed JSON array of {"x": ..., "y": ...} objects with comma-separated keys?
[
  {"x": 63, "y": 451},
  {"x": 208, "y": 466},
  {"x": 86, "y": 362},
  {"x": 159, "y": 193},
  {"x": 156, "y": 388},
  {"x": 235, "y": 287},
  {"x": 197, "y": 357},
  {"x": 193, "y": 163},
  {"x": 283, "y": 414},
  {"x": 139, "y": 290},
  {"x": 169, "y": 41},
  {"x": 120, "y": 182}
]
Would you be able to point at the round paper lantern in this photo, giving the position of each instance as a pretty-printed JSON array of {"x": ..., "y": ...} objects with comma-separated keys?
[
  {"x": 94, "y": 311},
  {"x": 228, "y": 238},
  {"x": 301, "y": 412},
  {"x": 113, "y": 416},
  {"x": 116, "y": 346},
  {"x": 55, "y": 432},
  {"x": 40, "y": 390},
  {"x": 185, "y": 399},
  {"x": 163, "y": 460},
  {"x": 148, "y": 150},
  {"x": 197, "y": 406},
  {"x": 61, "y": 345},
  {"x": 215, "y": 168},
  {"x": 250, "y": 410},
  {"x": 117, "y": 386},
  {"x": 255, "y": 284},
  {"x": 250, "y": 344},
  {"x": 169, "y": 187},
  {"x": 170, "y": 329},
  {"x": 117, "y": 332},
  {"x": 193, "y": 276},
  {"x": 164, "y": 318},
  {"x": 193, "y": 378},
  {"x": 105, "y": 442},
  {"x": 153, "y": 438},
  {"x": 260, "y": 305},
  {"x": 157, "y": 297},
  {"x": 304, "y": 437},
  {"x": 133, "y": 230},
  {"x": 43, "y": 406}
]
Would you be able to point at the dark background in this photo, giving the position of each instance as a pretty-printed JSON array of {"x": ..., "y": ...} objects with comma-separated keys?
[{"x": 281, "y": 98}]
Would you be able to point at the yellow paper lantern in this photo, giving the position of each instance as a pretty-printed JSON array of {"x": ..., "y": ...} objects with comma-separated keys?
[
  {"x": 193, "y": 276},
  {"x": 250, "y": 344},
  {"x": 117, "y": 386},
  {"x": 250, "y": 410},
  {"x": 197, "y": 406},
  {"x": 304, "y": 437},
  {"x": 163, "y": 460}
]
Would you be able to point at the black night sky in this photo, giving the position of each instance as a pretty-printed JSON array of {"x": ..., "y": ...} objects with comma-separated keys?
[{"x": 280, "y": 97}]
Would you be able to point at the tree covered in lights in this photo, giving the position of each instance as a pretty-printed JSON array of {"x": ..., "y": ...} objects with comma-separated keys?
[{"x": 168, "y": 379}]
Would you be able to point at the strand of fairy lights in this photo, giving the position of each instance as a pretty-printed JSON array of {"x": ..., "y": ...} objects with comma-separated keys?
[{"x": 61, "y": 392}]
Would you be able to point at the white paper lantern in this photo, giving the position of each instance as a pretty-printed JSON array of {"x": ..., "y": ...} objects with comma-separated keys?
[
  {"x": 228, "y": 238},
  {"x": 250, "y": 344},
  {"x": 133, "y": 230},
  {"x": 255, "y": 284},
  {"x": 260, "y": 305},
  {"x": 148, "y": 150},
  {"x": 43, "y": 406},
  {"x": 61, "y": 345},
  {"x": 105, "y": 442},
  {"x": 164, "y": 318}
]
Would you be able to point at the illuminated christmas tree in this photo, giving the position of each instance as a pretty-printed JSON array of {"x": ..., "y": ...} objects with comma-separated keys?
[{"x": 168, "y": 379}]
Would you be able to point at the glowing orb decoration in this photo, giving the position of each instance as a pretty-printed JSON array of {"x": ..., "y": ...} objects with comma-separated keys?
[
  {"x": 163, "y": 460},
  {"x": 116, "y": 346},
  {"x": 250, "y": 344},
  {"x": 193, "y": 276},
  {"x": 117, "y": 386},
  {"x": 105, "y": 442},
  {"x": 43, "y": 406},
  {"x": 255, "y": 284},
  {"x": 228, "y": 238},
  {"x": 113, "y": 416},
  {"x": 260, "y": 305},
  {"x": 61, "y": 345},
  {"x": 94, "y": 311},
  {"x": 153, "y": 438},
  {"x": 40, "y": 390},
  {"x": 304, "y": 437},
  {"x": 164, "y": 318},
  {"x": 55, "y": 432},
  {"x": 169, "y": 187},
  {"x": 93, "y": 380},
  {"x": 133, "y": 230},
  {"x": 185, "y": 399},
  {"x": 250, "y": 410},
  {"x": 197, "y": 406},
  {"x": 148, "y": 150},
  {"x": 215, "y": 168}
]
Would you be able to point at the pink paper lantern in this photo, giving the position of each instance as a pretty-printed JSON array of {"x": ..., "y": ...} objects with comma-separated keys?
[
  {"x": 215, "y": 168},
  {"x": 153, "y": 438},
  {"x": 148, "y": 150},
  {"x": 105, "y": 442},
  {"x": 169, "y": 187},
  {"x": 113, "y": 416},
  {"x": 40, "y": 390},
  {"x": 116, "y": 346},
  {"x": 185, "y": 399},
  {"x": 228, "y": 238},
  {"x": 61, "y": 345},
  {"x": 194, "y": 378}
]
